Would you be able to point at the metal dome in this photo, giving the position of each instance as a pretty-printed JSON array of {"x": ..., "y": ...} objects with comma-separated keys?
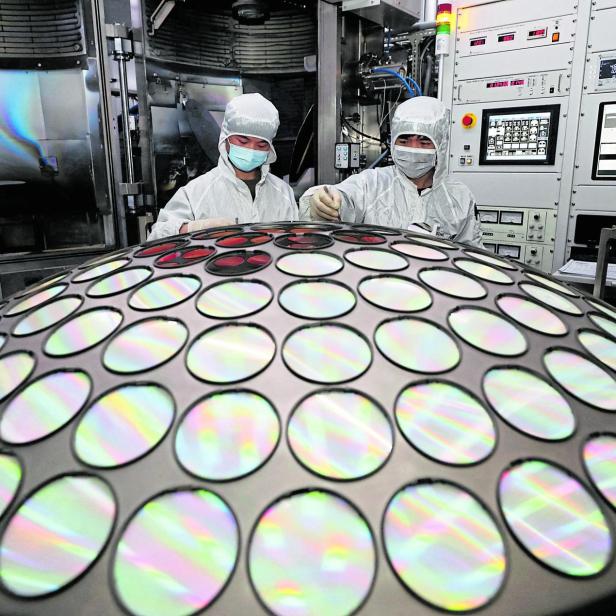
[{"x": 305, "y": 419}]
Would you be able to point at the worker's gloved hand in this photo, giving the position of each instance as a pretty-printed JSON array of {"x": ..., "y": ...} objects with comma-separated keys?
[
  {"x": 207, "y": 223},
  {"x": 325, "y": 204}
]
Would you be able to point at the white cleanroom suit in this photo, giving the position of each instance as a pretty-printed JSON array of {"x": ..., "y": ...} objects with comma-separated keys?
[
  {"x": 385, "y": 196},
  {"x": 219, "y": 193}
]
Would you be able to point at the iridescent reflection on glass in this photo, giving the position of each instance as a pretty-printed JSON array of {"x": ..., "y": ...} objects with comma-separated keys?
[
  {"x": 338, "y": 558},
  {"x": 234, "y": 299},
  {"x": 227, "y": 435},
  {"x": 445, "y": 423},
  {"x": 553, "y": 516},
  {"x": 382, "y": 260},
  {"x": 340, "y": 434},
  {"x": 36, "y": 300},
  {"x": 490, "y": 260},
  {"x": 10, "y": 478},
  {"x": 101, "y": 270},
  {"x": 395, "y": 293},
  {"x": 164, "y": 292},
  {"x": 41, "y": 285},
  {"x": 327, "y": 353},
  {"x": 14, "y": 370},
  {"x": 417, "y": 345},
  {"x": 550, "y": 298},
  {"x": 444, "y": 546},
  {"x": 452, "y": 283},
  {"x": 119, "y": 282},
  {"x": 531, "y": 315},
  {"x": 428, "y": 241},
  {"x": 599, "y": 346},
  {"x": 600, "y": 462},
  {"x": 176, "y": 554},
  {"x": 483, "y": 271},
  {"x": 529, "y": 403},
  {"x": 610, "y": 312},
  {"x": 83, "y": 332},
  {"x": 425, "y": 253},
  {"x": 104, "y": 258},
  {"x": 230, "y": 353},
  {"x": 310, "y": 264},
  {"x": 123, "y": 425},
  {"x": 145, "y": 345},
  {"x": 607, "y": 325},
  {"x": 317, "y": 300},
  {"x": 56, "y": 535},
  {"x": 47, "y": 315},
  {"x": 44, "y": 406},
  {"x": 582, "y": 378},
  {"x": 552, "y": 284},
  {"x": 487, "y": 331}
]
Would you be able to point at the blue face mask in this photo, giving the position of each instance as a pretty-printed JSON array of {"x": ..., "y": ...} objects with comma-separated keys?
[{"x": 246, "y": 159}]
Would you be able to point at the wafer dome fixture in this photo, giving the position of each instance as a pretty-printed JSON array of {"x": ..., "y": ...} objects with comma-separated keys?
[{"x": 301, "y": 418}]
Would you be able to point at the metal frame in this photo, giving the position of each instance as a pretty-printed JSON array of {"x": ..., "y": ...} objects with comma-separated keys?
[
  {"x": 110, "y": 142},
  {"x": 606, "y": 243},
  {"x": 328, "y": 91}
]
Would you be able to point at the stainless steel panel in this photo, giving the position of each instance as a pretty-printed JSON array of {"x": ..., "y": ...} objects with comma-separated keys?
[
  {"x": 598, "y": 198},
  {"x": 398, "y": 14},
  {"x": 601, "y": 36},
  {"x": 539, "y": 190},
  {"x": 65, "y": 116},
  {"x": 544, "y": 59}
]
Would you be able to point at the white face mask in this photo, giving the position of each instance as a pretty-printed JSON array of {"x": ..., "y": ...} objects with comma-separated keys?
[{"x": 414, "y": 162}]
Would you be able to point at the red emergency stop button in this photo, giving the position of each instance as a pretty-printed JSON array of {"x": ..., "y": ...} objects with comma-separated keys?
[{"x": 469, "y": 120}]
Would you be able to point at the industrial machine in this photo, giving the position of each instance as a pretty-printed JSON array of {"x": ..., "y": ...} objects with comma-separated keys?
[
  {"x": 387, "y": 56},
  {"x": 145, "y": 84},
  {"x": 532, "y": 90},
  {"x": 56, "y": 141}
]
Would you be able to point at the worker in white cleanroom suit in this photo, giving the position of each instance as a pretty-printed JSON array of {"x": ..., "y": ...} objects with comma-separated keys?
[
  {"x": 241, "y": 188},
  {"x": 414, "y": 192}
]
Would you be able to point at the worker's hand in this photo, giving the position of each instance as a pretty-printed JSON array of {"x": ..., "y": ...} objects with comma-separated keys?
[
  {"x": 207, "y": 223},
  {"x": 325, "y": 204}
]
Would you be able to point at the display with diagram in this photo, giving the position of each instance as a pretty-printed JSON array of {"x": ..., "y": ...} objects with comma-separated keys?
[
  {"x": 519, "y": 135},
  {"x": 604, "y": 166}
]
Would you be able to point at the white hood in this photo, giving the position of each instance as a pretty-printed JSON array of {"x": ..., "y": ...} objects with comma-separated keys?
[
  {"x": 251, "y": 115},
  {"x": 424, "y": 115}
]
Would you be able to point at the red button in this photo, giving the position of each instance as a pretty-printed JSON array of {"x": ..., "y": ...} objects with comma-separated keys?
[{"x": 467, "y": 120}]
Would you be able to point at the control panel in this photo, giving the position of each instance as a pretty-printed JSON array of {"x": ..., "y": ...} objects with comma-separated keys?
[
  {"x": 606, "y": 71},
  {"x": 601, "y": 76},
  {"x": 513, "y": 87},
  {"x": 524, "y": 234},
  {"x": 514, "y": 36},
  {"x": 347, "y": 156},
  {"x": 519, "y": 135},
  {"x": 537, "y": 256}
]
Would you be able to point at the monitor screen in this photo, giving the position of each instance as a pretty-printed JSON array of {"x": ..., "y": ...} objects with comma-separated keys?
[
  {"x": 519, "y": 135},
  {"x": 604, "y": 164},
  {"x": 607, "y": 68}
]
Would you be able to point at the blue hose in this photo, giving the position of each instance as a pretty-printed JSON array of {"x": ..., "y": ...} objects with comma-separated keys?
[
  {"x": 415, "y": 85},
  {"x": 379, "y": 160},
  {"x": 382, "y": 69}
]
